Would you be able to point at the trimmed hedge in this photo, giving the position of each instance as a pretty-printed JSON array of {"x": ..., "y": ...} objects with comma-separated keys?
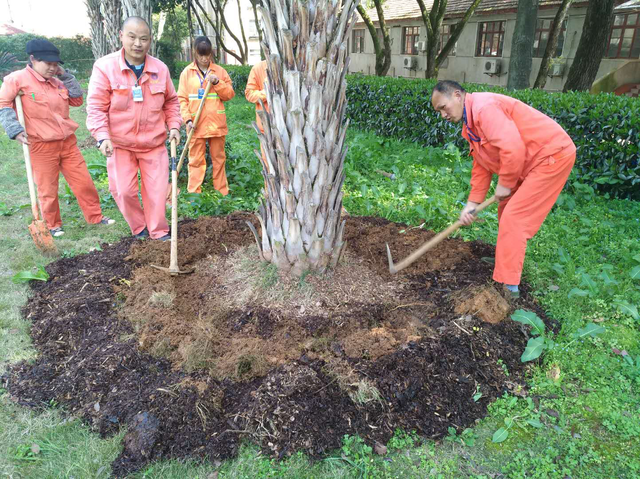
[{"x": 604, "y": 127}]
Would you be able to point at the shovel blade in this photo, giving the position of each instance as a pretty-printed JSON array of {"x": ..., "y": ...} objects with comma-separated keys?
[{"x": 42, "y": 238}]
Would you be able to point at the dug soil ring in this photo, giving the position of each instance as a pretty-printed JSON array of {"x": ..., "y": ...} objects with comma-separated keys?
[{"x": 194, "y": 363}]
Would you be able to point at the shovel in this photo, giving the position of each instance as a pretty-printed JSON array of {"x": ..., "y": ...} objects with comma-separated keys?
[
  {"x": 394, "y": 268},
  {"x": 193, "y": 129},
  {"x": 173, "y": 268},
  {"x": 38, "y": 227}
]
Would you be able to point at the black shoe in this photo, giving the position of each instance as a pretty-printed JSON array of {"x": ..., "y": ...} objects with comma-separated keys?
[
  {"x": 166, "y": 237},
  {"x": 144, "y": 234}
]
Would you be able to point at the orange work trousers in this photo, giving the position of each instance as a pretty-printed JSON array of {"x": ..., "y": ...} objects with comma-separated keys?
[
  {"x": 122, "y": 168},
  {"x": 521, "y": 215},
  {"x": 48, "y": 160},
  {"x": 198, "y": 164}
]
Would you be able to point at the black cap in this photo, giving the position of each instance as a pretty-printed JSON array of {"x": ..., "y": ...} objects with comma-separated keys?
[{"x": 43, "y": 50}]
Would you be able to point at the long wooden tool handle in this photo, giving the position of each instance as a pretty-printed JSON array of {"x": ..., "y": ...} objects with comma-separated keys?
[
  {"x": 195, "y": 124},
  {"x": 438, "y": 238},
  {"x": 27, "y": 160},
  {"x": 173, "y": 262}
]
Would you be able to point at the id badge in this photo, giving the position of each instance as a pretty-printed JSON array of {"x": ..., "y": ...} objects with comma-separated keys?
[
  {"x": 137, "y": 93},
  {"x": 200, "y": 93}
]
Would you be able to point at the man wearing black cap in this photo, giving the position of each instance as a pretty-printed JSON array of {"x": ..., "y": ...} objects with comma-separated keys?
[{"x": 47, "y": 91}]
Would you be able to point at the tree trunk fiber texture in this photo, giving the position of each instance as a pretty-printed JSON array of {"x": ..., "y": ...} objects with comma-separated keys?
[{"x": 304, "y": 132}]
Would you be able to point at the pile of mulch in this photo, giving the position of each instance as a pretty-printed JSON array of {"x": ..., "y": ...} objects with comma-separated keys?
[{"x": 193, "y": 364}]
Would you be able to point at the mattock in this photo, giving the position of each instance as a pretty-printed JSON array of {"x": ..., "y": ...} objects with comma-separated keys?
[
  {"x": 394, "y": 268},
  {"x": 173, "y": 268}
]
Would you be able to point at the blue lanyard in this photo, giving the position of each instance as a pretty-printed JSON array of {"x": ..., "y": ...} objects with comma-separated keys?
[
  {"x": 472, "y": 135},
  {"x": 199, "y": 77}
]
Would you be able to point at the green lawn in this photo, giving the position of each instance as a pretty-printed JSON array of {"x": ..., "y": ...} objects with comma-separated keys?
[{"x": 585, "y": 423}]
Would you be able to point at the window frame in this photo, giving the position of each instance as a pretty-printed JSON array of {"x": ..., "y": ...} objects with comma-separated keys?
[
  {"x": 358, "y": 36},
  {"x": 415, "y": 34},
  {"x": 635, "y": 39},
  {"x": 537, "y": 51},
  {"x": 481, "y": 38},
  {"x": 442, "y": 42}
]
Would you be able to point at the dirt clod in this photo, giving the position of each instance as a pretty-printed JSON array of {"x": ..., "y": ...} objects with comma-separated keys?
[{"x": 484, "y": 302}]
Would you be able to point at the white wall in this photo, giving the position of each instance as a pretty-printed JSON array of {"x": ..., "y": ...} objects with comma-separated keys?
[{"x": 465, "y": 66}]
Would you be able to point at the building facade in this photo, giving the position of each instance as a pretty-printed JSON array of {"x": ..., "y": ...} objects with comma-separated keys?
[{"x": 483, "y": 50}]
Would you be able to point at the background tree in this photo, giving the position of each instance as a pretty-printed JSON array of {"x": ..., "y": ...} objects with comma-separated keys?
[
  {"x": 522, "y": 45},
  {"x": 170, "y": 29},
  {"x": 552, "y": 44},
  {"x": 99, "y": 43},
  {"x": 432, "y": 21},
  {"x": 382, "y": 50},
  {"x": 138, "y": 8},
  {"x": 254, "y": 6},
  {"x": 593, "y": 43},
  {"x": 112, "y": 16},
  {"x": 304, "y": 132},
  {"x": 220, "y": 26}
]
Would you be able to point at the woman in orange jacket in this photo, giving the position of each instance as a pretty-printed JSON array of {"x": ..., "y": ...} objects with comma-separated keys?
[
  {"x": 48, "y": 91},
  {"x": 212, "y": 125}
]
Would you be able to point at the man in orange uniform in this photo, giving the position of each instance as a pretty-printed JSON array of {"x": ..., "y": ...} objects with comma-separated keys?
[
  {"x": 212, "y": 125},
  {"x": 531, "y": 154},
  {"x": 255, "y": 90},
  {"x": 131, "y": 103},
  {"x": 50, "y": 132}
]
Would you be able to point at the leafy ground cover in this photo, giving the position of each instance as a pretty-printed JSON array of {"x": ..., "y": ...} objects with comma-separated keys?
[{"x": 579, "y": 417}]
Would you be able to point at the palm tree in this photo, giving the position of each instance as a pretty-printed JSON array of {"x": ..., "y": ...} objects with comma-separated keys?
[{"x": 305, "y": 44}]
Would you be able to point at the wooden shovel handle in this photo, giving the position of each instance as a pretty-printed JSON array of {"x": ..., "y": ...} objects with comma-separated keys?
[
  {"x": 435, "y": 240},
  {"x": 27, "y": 160},
  {"x": 195, "y": 124}
]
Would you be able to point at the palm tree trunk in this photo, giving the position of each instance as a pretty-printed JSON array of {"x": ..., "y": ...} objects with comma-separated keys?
[{"x": 304, "y": 132}]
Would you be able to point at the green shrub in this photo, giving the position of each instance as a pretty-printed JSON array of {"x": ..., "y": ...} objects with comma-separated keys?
[{"x": 604, "y": 127}]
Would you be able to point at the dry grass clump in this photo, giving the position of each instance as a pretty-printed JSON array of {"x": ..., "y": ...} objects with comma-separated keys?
[{"x": 162, "y": 299}]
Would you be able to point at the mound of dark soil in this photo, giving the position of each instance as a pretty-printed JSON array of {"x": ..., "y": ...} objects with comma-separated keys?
[{"x": 192, "y": 364}]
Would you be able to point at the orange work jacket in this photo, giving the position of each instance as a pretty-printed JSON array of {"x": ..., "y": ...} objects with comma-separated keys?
[
  {"x": 508, "y": 138},
  {"x": 45, "y": 104},
  {"x": 213, "y": 120},
  {"x": 254, "y": 91}
]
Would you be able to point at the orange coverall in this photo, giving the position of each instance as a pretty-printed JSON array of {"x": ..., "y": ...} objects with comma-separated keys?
[
  {"x": 53, "y": 147},
  {"x": 254, "y": 92},
  {"x": 138, "y": 131},
  {"x": 531, "y": 154},
  {"x": 211, "y": 127}
]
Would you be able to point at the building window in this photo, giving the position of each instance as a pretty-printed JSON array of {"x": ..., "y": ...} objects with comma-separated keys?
[
  {"x": 410, "y": 37},
  {"x": 445, "y": 34},
  {"x": 542, "y": 35},
  {"x": 490, "y": 39},
  {"x": 624, "y": 41},
  {"x": 358, "y": 41}
]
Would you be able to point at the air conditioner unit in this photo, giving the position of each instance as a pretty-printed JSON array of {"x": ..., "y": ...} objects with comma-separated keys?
[
  {"x": 492, "y": 66},
  {"x": 556, "y": 69},
  {"x": 411, "y": 63},
  {"x": 421, "y": 46}
]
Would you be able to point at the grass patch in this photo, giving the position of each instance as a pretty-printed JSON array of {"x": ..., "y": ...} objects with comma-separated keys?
[{"x": 588, "y": 413}]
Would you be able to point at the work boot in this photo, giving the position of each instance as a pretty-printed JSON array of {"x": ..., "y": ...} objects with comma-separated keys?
[{"x": 144, "y": 234}]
